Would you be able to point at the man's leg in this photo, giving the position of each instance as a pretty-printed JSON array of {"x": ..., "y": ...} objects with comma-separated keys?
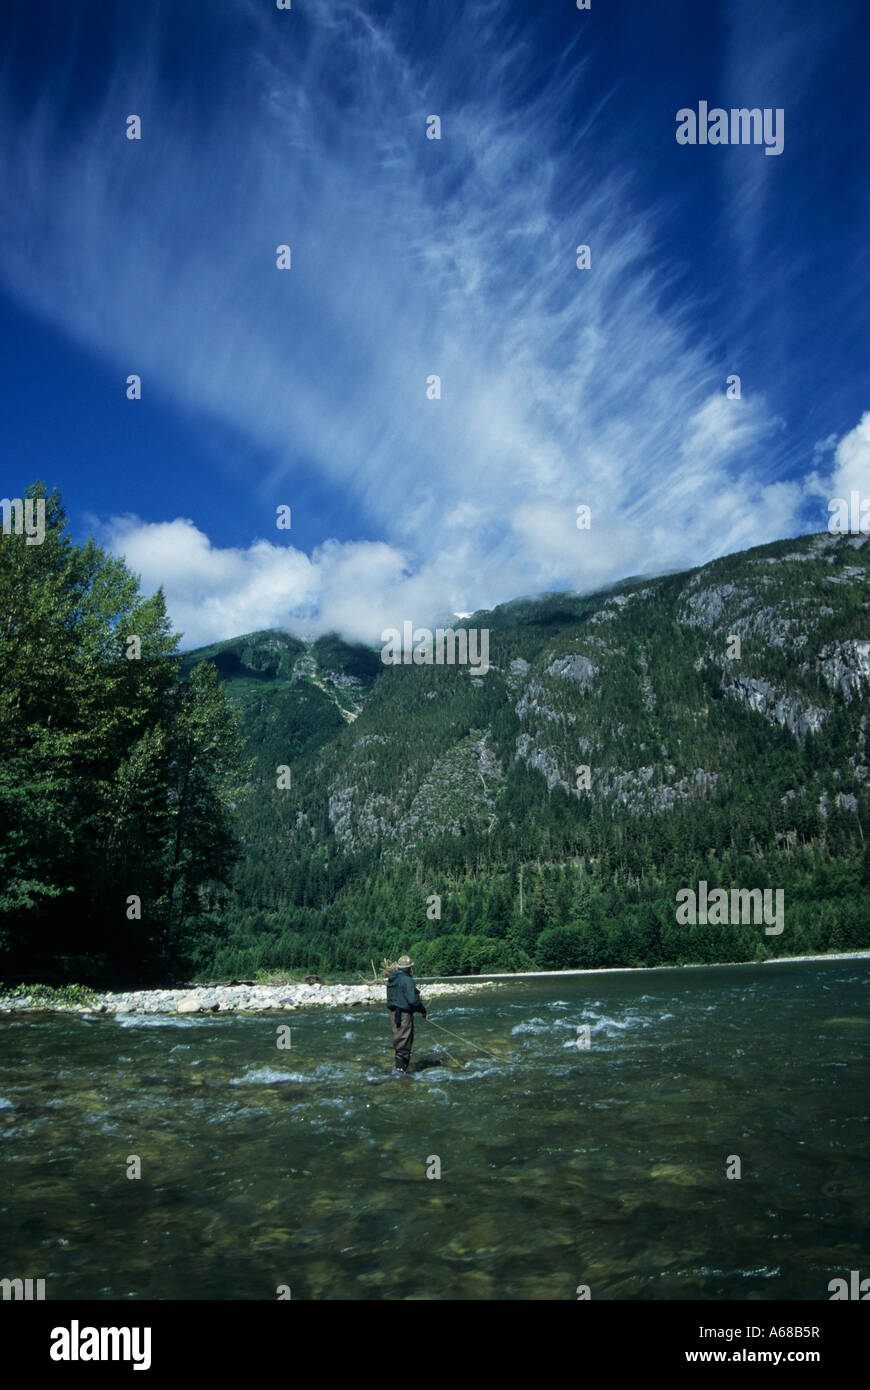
[
  {"x": 396, "y": 1022},
  {"x": 409, "y": 1039},
  {"x": 403, "y": 1037}
]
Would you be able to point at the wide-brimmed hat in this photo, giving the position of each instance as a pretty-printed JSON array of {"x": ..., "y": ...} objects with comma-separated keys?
[{"x": 404, "y": 963}]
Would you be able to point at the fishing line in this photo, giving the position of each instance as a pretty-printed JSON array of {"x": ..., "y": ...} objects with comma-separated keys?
[{"x": 467, "y": 1041}]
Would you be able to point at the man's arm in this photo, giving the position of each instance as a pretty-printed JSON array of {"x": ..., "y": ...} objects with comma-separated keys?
[
  {"x": 413, "y": 1002},
  {"x": 418, "y": 1003}
]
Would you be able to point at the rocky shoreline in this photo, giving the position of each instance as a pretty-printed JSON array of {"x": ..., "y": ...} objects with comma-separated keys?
[
  {"x": 252, "y": 998},
  {"x": 205, "y": 999}
]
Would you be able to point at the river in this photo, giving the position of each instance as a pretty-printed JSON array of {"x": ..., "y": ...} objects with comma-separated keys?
[{"x": 561, "y": 1166}]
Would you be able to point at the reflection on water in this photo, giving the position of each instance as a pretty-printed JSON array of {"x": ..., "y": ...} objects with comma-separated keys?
[{"x": 560, "y": 1164}]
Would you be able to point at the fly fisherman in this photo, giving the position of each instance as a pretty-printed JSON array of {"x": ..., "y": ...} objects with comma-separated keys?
[{"x": 403, "y": 1001}]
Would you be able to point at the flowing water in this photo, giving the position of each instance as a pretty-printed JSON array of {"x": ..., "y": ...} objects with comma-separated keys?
[{"x": 560, "y": 1165}]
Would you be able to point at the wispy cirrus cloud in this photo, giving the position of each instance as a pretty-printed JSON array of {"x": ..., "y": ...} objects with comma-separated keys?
[{"x": 411, "y": 257}]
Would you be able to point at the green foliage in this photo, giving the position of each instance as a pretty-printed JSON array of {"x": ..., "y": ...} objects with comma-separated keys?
[
  {"x": 559, "y": 948},
  {"x": 116, "y": 779},
  {"x": 49, "y": 995}
]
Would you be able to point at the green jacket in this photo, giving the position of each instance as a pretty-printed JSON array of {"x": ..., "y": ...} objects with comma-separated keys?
[{"x": 402, "y": 993}]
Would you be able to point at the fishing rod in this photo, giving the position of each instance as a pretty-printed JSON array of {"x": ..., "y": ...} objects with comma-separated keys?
[{"x": 467, "y": 1041}]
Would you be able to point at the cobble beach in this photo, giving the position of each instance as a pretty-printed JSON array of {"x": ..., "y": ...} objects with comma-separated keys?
[{"x": 240, "y": 998}]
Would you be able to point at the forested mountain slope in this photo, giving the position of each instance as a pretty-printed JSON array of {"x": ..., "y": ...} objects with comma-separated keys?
[{"x": 706, "y": 725}]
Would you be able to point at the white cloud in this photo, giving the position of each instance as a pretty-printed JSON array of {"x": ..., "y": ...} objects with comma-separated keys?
[
  {"x": 849, "y": 469},
  {"x": 212, "y": 592},
  {"x": 852, "y": 460}
]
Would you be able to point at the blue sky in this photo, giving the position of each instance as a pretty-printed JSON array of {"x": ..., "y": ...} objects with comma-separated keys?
[{"x": 413, "y": 257}]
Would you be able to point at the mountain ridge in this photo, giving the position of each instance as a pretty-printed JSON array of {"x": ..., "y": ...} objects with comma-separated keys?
[{"x": 449, "y": 781}]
